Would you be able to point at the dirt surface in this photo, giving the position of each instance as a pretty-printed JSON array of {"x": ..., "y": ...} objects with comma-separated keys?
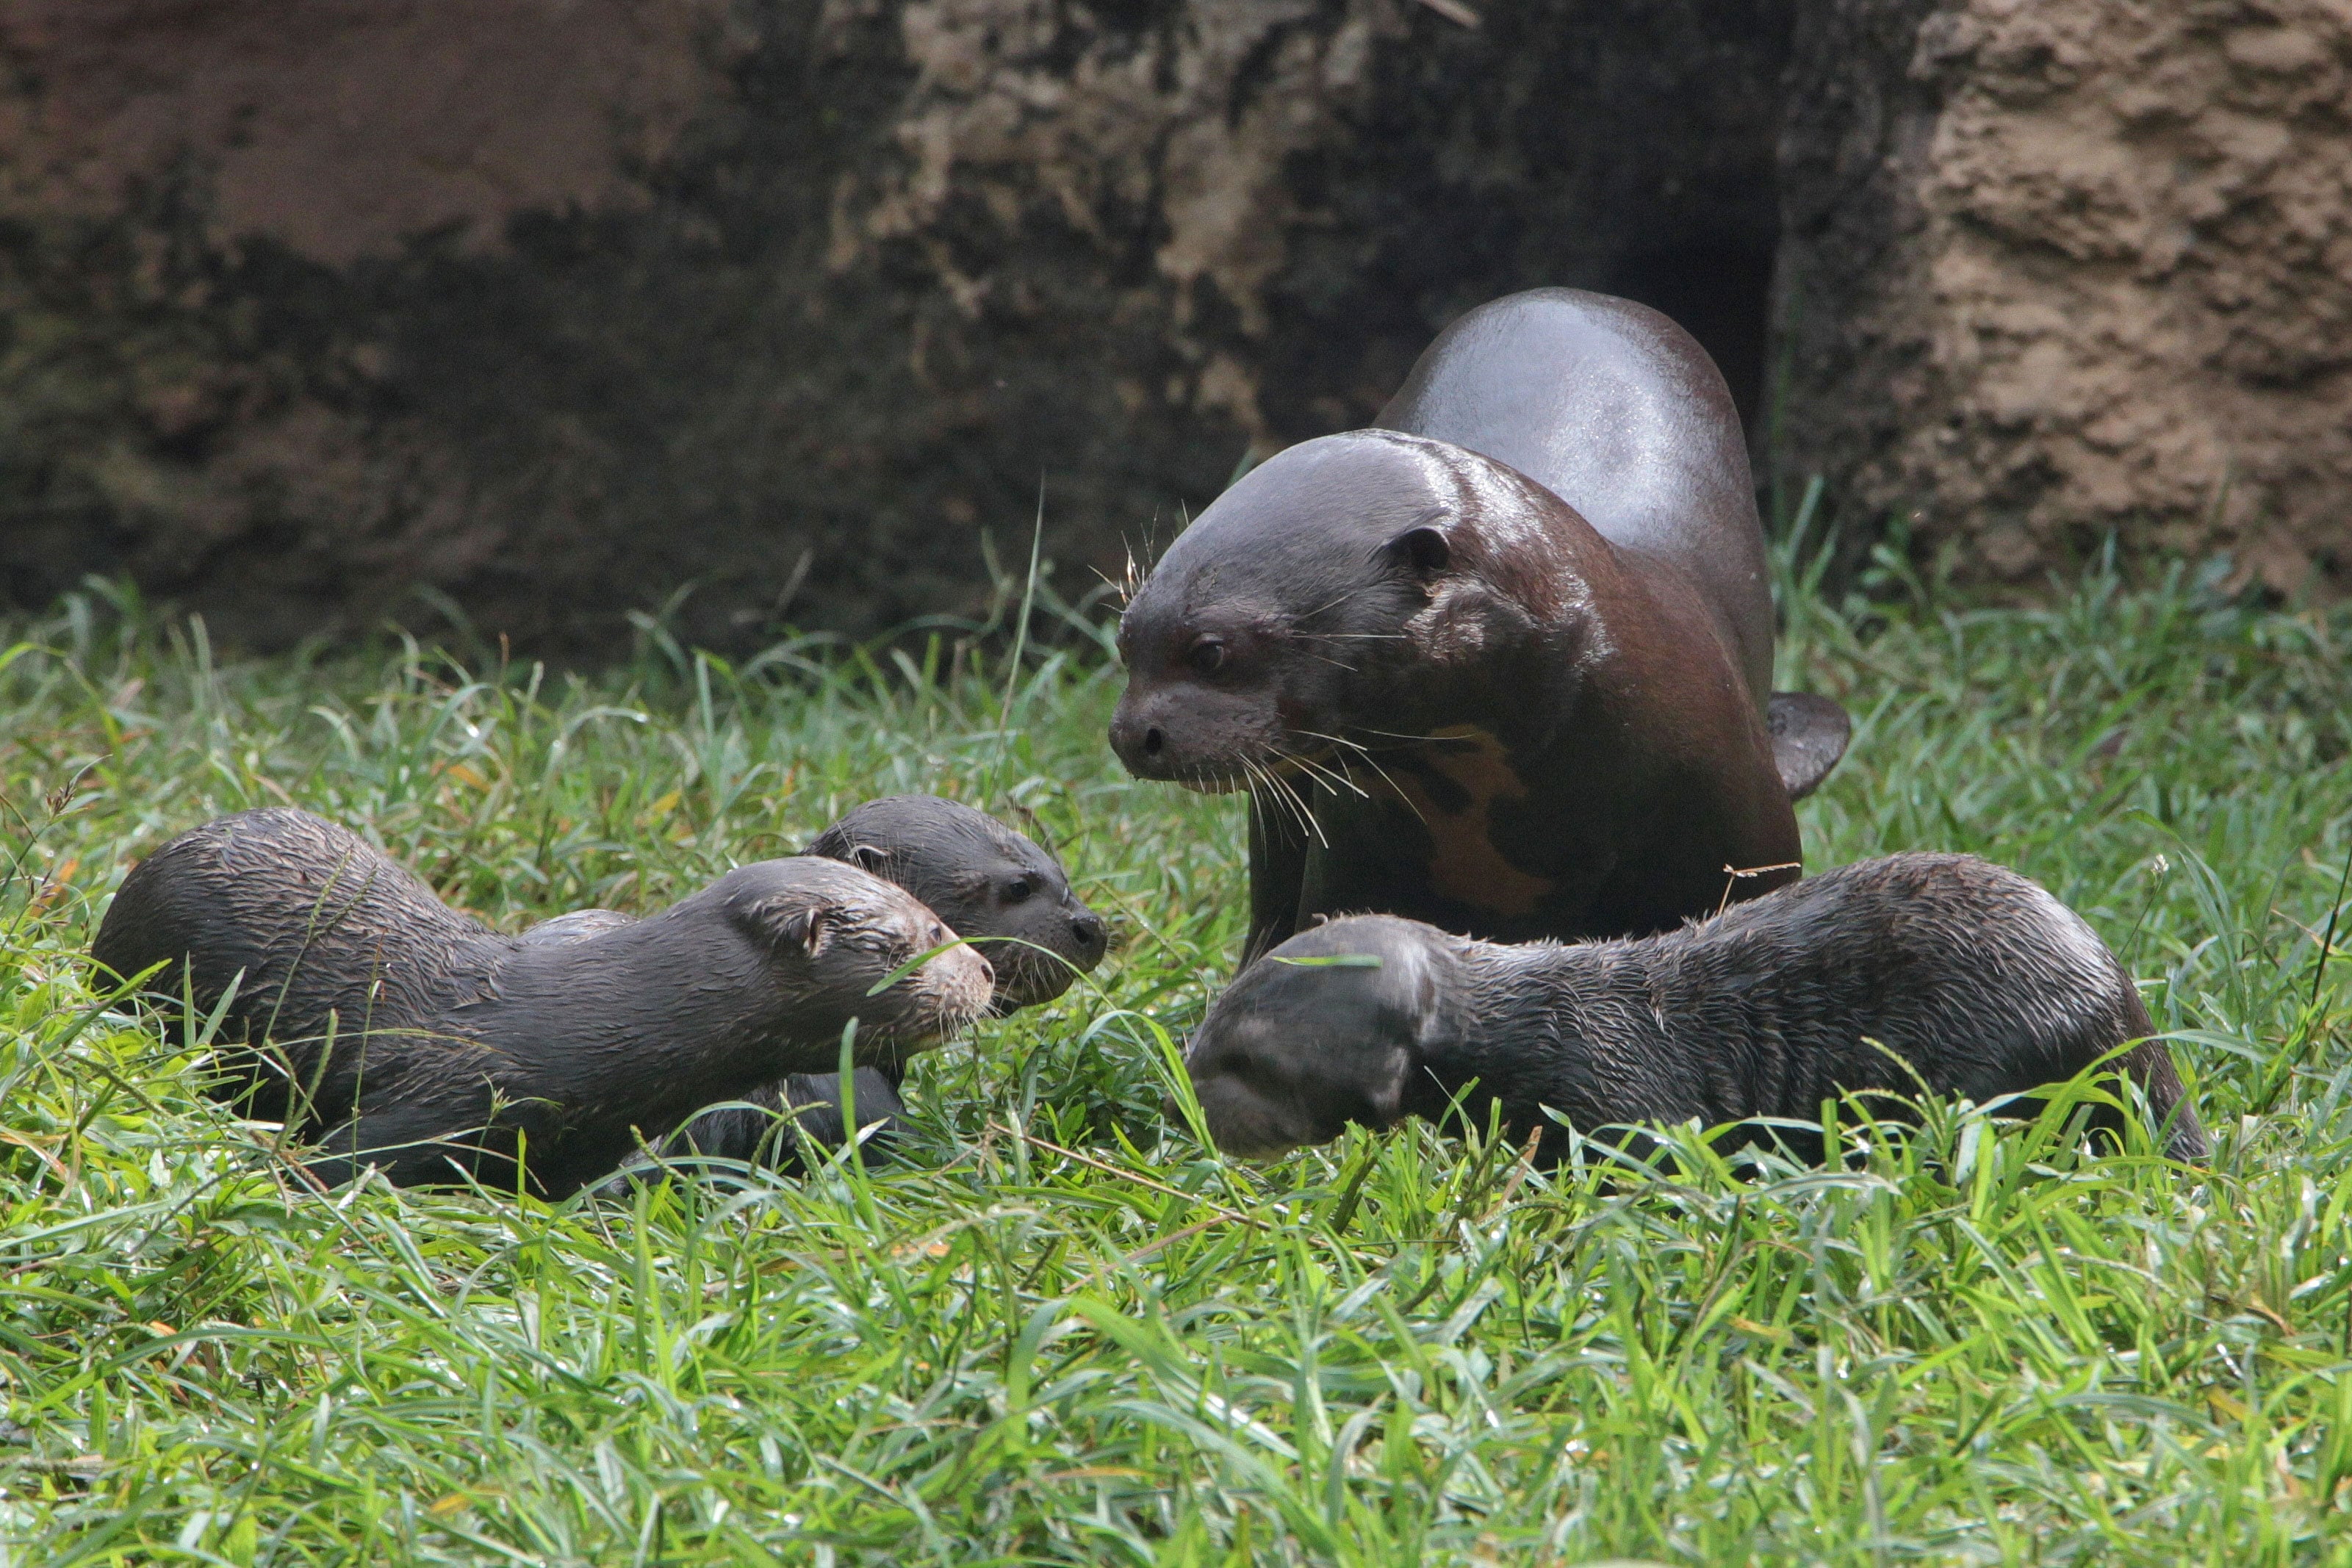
[
  {"x": 777, "y": 311},
  {"x": 788, "y": 311},
  {"x": 339, "y": 130},
  {"x": 2061, "y": 267}
]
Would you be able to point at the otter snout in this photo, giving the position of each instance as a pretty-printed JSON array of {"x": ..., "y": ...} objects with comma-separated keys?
[
  {"x": 952, "y": 992},
  {"x": 1141, "y": 741},
  {"x": 1182, "y": 733}
]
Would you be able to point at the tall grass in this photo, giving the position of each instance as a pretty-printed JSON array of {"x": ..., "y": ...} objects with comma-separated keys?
[{"x": 1063, "y": 1330}]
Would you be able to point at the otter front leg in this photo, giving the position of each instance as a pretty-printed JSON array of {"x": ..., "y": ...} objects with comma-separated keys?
[
  {"x": 419, "y": 1142},
  {"x": 799, "y": 1121},
  {"x": 1277, "y": 873}
]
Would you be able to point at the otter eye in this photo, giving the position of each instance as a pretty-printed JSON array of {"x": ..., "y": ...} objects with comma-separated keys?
[
  {"x": 936, "y": 937},
  {"x": 1018, "y": 890},
  {"x": 1207, "y": 656}
]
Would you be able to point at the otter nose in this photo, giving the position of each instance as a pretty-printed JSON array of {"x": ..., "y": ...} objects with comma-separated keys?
[
  {"x": 1137, "y": 743},
  {"x": 987, "y": 970},
  {"x": 1090, "y": 932}
]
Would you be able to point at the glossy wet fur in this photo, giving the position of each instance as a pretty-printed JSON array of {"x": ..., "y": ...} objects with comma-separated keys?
[
  {"x": 996, "y": 888},
  {"x": 455, "y": 1045},
  {"x": 328, "y": 934},
  {"x": 1979, "y": 979},
  {"x": 1439, "y": 718},
  {"x": 1456, "y": 695}
]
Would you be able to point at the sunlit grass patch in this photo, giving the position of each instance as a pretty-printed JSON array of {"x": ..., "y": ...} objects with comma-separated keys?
[{"x": 1063, "y": 1330}]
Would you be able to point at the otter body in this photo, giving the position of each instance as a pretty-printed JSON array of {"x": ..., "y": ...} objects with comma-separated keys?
[
  {"x": 1975, "y": 977},
  {"x": 1501, "y": 664},
  {"x": 420, "y": 1041}
]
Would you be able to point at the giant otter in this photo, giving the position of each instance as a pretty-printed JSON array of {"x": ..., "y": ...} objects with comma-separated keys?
[
  {"x": 417, "y": 1040},
  {"x": 1502, "y": 663},
  {"x": 1980, "y": 982},
  {"x": 993, "y": 887}
]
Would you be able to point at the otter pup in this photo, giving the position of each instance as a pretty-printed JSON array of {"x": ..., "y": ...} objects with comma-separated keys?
[
  {"x": 997, "y": 889},
  {"x": 1976, "y": 978},
  {"x": 1501, "y": 663},
  {"x": 420, "y": 1041}
]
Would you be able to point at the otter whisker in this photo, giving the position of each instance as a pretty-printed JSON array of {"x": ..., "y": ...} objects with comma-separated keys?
[
  {"x": 1287, "y": 792},
  {"x": 1307, "y": 809},
  {"x": 1266, "y": 801},
  {"x": 1324, "y": 771},
  {"x": 1334, "y": 740},
  {"x": 1332, "y": 605},
  {"x": 1283, "y": 796},
  {"x": 1400, "y": 736},
  {"x": 1372, "y": 763}
]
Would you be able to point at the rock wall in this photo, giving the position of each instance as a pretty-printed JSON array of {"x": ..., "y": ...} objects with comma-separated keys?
[
  {"x": 559, "y": 306},
  {"x": 2058, "y": 268},
  {"x": 557, "y": 309}
]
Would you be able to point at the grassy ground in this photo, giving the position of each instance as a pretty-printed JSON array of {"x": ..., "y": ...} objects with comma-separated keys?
[{"x": 1395, "y": 1349}]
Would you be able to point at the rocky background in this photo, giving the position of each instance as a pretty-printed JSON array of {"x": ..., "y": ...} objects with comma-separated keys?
[
  {"x": 2053, "y": 269},
  {"x": 788, "y": 313}
]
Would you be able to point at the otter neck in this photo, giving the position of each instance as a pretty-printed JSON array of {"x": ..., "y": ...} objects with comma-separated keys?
[
  {"x": 1530, "y": 1014},
  {"x": 584, "y": 1015}
]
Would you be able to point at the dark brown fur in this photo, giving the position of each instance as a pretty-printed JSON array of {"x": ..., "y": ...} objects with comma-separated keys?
[
  {"x": 1502, "y": 665},
  {"x": 997, "y": 889},
  {"x": 1974, "y": 978},
  {"x": 416, "y": 1039}
]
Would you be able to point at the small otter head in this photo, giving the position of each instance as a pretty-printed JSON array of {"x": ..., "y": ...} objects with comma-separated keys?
[
  {"x": 828, "y": 934},
  {"x": 996, "y": 888},
  {"x": 1350, "y": 583},
  {"x": 1327, "y": 1028}
]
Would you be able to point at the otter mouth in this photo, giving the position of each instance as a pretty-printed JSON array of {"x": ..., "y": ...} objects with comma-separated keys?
[
  {"x": 1211, "y": 781},
  {"x": 1246, "y": 772},
  {"x": 932, "y": 1011},
  {"x": 1030, "y": 985}
]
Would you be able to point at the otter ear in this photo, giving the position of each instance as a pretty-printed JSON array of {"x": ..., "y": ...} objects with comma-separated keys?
[
  {"x": 1421, "y": 550},
  {"x": 794, "y": 924},
  {"x": 869, "y": 858}
]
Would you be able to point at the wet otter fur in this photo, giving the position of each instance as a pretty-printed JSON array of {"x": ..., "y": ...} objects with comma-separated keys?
[
  {"x": 1501, "y": 663},
  {"x": 406, "y": 1035},
  {"x": 1976, "y": 978},
  {"x": 993, "y": 886}
]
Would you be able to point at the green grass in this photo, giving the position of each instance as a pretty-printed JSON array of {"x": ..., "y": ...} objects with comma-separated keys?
[{"x": 1970, "y": 1346}]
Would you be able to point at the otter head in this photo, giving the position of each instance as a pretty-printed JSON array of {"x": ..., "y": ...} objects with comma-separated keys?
[
  {"x": 1329, "y": 1028},
  {"x": 996, "y": 888},
  {"x": 827, "y": 935},
  {"x": 1351, "y": 587}
]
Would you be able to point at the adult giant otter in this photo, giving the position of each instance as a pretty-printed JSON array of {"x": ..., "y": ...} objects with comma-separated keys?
[
  {"x": 1502, "y": 663},
  {"x": 417, "y": 1040},
  {"x": 1942, "y": 966}
]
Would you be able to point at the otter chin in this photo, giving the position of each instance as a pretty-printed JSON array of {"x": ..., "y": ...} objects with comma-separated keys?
[{"x": 1872, "y": 979}]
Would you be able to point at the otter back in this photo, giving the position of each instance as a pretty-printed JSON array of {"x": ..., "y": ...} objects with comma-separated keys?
[{"x": 1939, "y": 971}]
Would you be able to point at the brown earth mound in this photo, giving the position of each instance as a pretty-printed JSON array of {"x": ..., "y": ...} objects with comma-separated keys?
[{"x": 564, "y": 307}]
